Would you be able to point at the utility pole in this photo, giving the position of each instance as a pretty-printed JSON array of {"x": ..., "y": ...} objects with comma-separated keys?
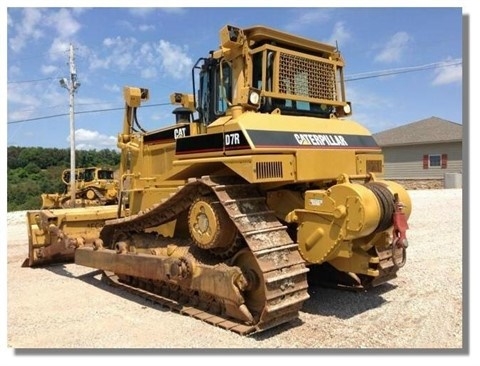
[{"x": 71, "y": 85}]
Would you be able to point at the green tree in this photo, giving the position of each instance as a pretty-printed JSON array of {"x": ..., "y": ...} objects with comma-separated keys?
[{"x": 32, "y": 171}]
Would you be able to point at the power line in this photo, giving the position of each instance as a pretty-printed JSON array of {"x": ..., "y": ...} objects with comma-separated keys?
[
  {"x": 353, "y": 77},
  {"x": 402, "y": 70},
  {"x": 82, "y": 112},
  {"x": 46, "y": 107},
  {"x": 38, "y": 118},
  {"x": 28, "y": 81},
  {"x": 58, "y": 105}
]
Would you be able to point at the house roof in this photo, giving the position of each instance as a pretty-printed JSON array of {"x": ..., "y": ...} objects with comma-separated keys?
[{"x": 429, "y": 130}]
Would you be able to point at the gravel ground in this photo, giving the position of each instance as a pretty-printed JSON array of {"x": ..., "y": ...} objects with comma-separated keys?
[{"x": 67, "y": 306}]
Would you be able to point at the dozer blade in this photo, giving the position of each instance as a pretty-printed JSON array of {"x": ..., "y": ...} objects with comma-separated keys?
[{"x": 54, "y": 234}]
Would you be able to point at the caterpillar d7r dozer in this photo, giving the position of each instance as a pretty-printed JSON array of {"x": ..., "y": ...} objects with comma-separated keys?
[
  {"x": 261, "y": 181},
  {"x": 94, "y": 186}
]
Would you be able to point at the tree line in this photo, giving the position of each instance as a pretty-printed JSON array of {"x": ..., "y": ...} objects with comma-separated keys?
[{"x": 32, "y": 171}]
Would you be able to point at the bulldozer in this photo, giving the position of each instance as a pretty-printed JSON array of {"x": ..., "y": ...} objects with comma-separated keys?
[
  {"x": 261, "y": 186},
  {"x": 94, "y": 186}
]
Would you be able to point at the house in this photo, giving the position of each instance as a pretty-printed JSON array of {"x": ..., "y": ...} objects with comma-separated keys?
[{"x": 424, "y": 150}]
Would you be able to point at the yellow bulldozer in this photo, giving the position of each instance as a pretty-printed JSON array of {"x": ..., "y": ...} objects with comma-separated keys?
[
  {"x": 261, "y": 186},
  {"x": 94, "y": 186}
]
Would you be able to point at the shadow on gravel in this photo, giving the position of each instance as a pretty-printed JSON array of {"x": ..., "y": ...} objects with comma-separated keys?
[
  {"x": 94, "y": 278},
  {"x": 269, "y": 333},
  {"x": 58, "y": 269},
  {"x": 344, "y": 304},
  {"x": 323, "y": 301}
]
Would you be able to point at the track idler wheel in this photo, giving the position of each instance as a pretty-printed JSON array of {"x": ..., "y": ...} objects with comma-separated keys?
[
  {"x": 253, "y": 289},
  {"x": 90, "y": 194},
  {"x": 209, "y": 225}
]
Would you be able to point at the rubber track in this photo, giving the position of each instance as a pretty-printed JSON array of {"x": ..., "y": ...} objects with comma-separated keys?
[{"x": 284, "y": 271}]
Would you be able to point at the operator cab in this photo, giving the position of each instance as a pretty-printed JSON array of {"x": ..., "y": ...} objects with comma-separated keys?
[
  {"x": 270, "y": 71},
  {"x": 215, "y": 91}
]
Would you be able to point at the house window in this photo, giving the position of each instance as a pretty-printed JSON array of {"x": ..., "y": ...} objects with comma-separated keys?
[{"x": 435, "y": 161}]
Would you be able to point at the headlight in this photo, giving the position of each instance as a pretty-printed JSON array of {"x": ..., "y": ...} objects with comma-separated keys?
[{"x": 254, "y": 98}]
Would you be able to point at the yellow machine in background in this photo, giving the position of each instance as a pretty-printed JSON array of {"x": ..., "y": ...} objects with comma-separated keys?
[
  {"x": 261, "y": 181},
  {"x": 94, "y": 186}
]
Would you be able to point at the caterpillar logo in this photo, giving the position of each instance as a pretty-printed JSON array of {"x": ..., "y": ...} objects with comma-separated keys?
[
  {"x": 320, "y": 140},
  {"x": 180, "y": 132}
]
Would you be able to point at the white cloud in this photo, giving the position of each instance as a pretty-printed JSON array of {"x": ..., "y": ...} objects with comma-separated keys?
[
  {"x": 308, "y": 17},
  {"x": 24, "y": 95},
  {"x": 59, "y": 49},
  {"x": 66, "y": 27},
  {"x": 367, "y": 99},
  {"x": 64, "y": 23},
  {"x": 134, "y": 27},
  {"x": 114, "y": 88},
  {"x": 82, "y": 50},
  {"x": 144, "y": 58},
  {"x": 141, "y": 12},
  {"x": 340, "y": 34},
  {"x": 20, "y": 114},
  {"x": 146, "y": 27},
  {"x": 79, "y": 11},
  {"x": 121, "y": 55},
  {"x": 110, "y": 41},
  {"x": 448, "y": 74},
  {"x": 98, "y": 63},
  {"x": 54, "y": 96},
  {"x": 36, "y": 23},
  {"x": 126, "y": 24},
  {"x": 28, "y": 28},
  {"x": 149, "y": 72},
  {"x": 123, "y": 61},
  {"x": 14, "y": 71},
  {"x": 48, "y": 69},
  {"x": 146, "y": 50},
  {"x": 93, "y": 140},
  {"x": 120, "y": 44},
  {"x": 26, "y": 100},
  {"x": 174, "y": 60},
  {"x": 393, "y": 50}
]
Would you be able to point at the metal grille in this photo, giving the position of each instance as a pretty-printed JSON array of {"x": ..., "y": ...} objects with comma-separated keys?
[
  {"x": 305, "y": 77},
  {"x": 269, "y": 169},
  {"x": 374, "y": 166}
]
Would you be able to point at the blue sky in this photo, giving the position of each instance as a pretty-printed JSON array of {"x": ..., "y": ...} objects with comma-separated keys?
[{"x": 405, "y": 64}]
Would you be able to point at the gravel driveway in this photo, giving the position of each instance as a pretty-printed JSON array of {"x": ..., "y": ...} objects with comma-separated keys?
[{"x": 67, "y": 306}]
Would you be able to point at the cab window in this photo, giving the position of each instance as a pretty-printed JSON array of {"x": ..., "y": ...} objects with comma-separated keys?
[{"x": 223, "y": 88}]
